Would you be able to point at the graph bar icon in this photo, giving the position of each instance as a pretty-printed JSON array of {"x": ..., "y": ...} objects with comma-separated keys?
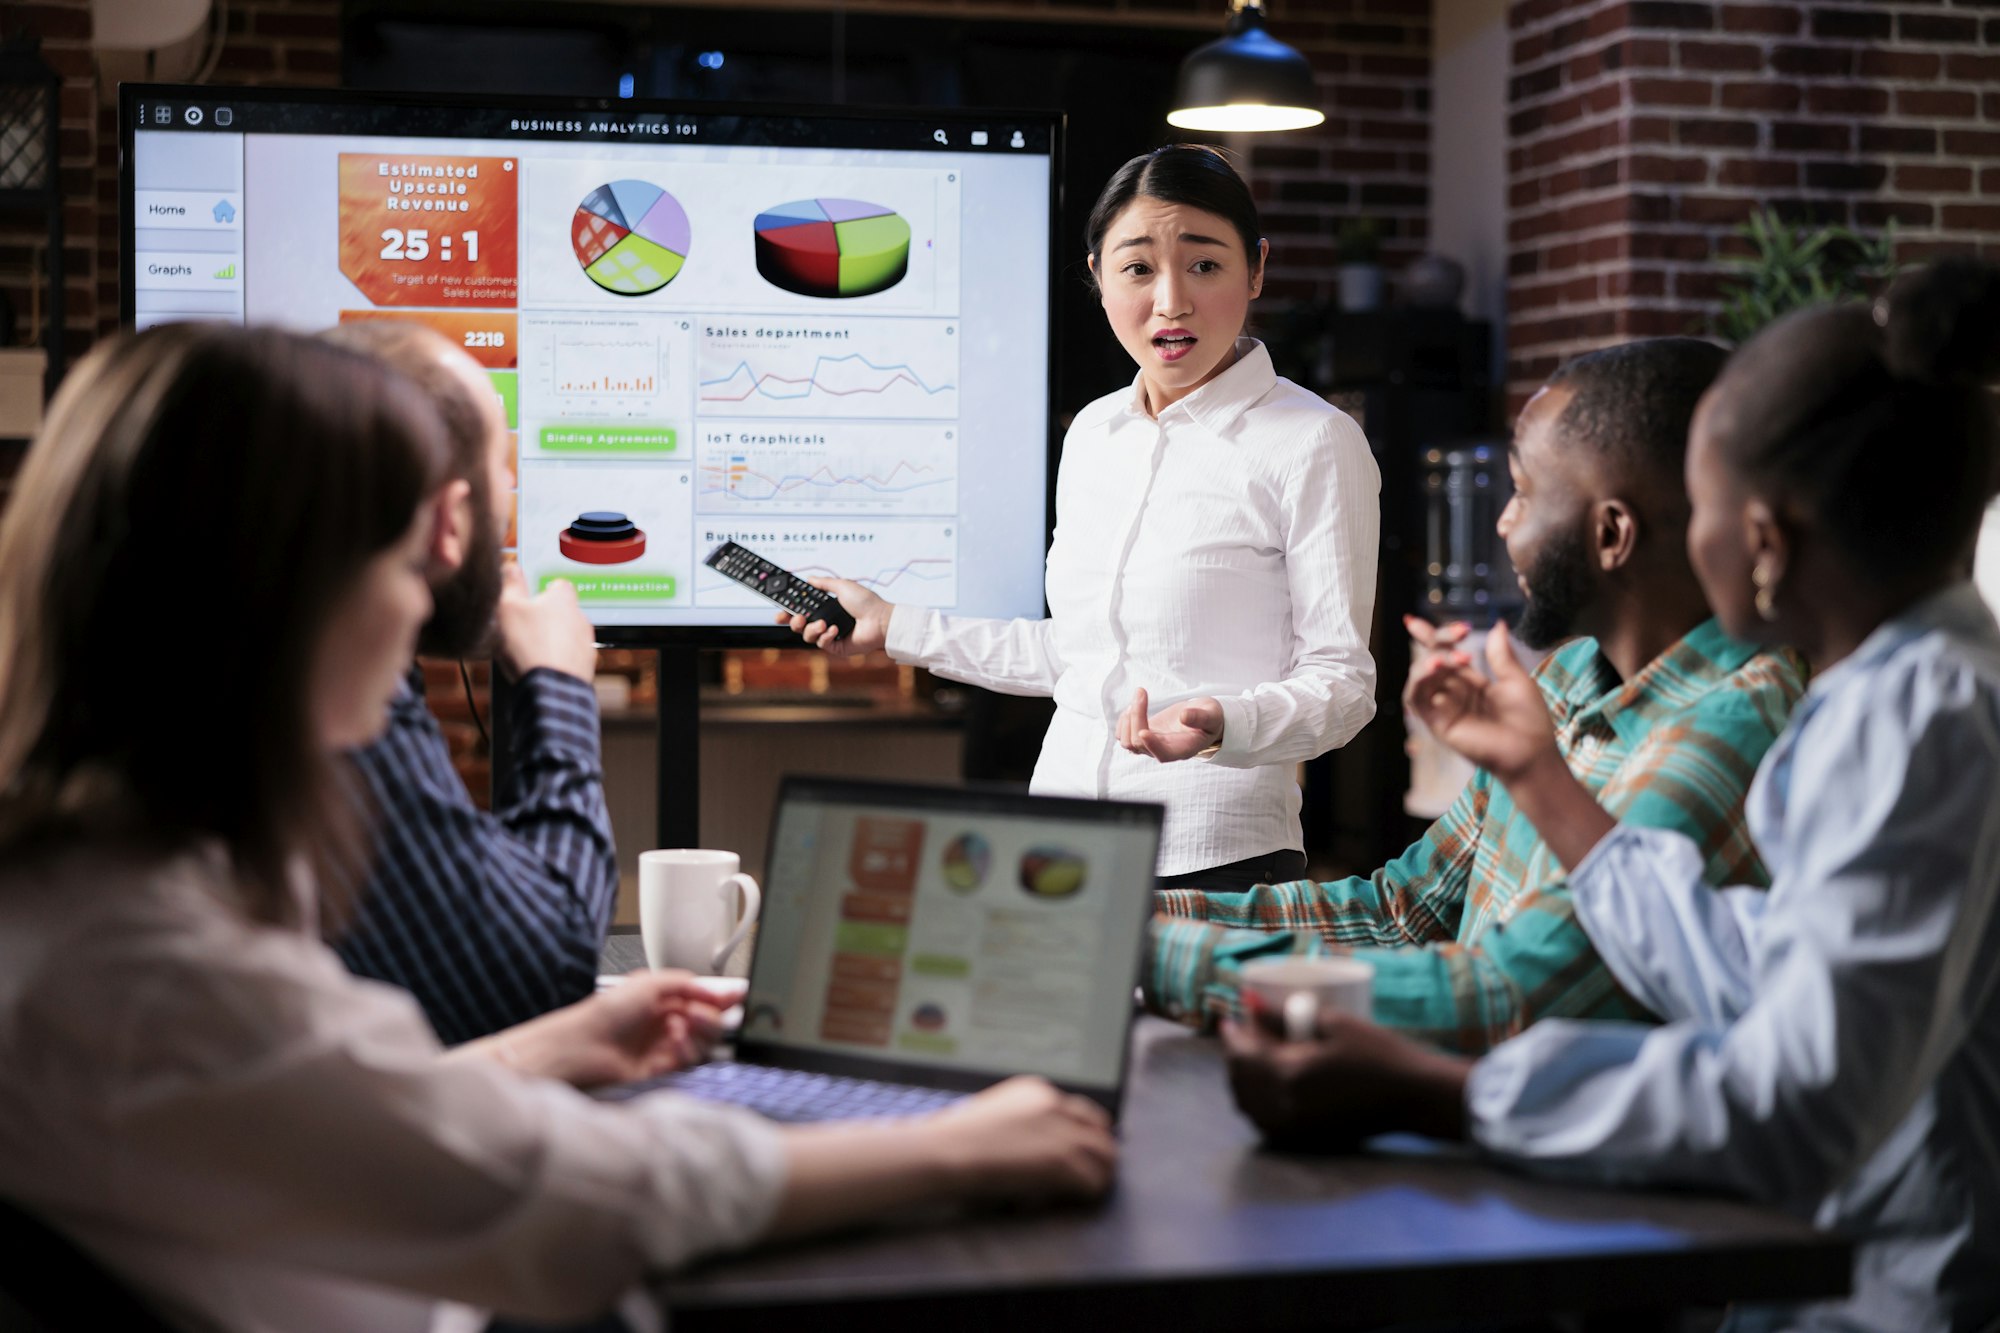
[
  {"x": 612, "y": 384},
  {"x": 607, "y": 365}
]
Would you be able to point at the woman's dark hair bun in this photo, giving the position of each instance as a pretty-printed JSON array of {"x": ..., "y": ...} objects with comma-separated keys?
[{"x": 1941, "y": 323}]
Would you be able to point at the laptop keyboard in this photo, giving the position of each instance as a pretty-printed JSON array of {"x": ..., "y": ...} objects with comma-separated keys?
[{"x": 795, "y": 1095}]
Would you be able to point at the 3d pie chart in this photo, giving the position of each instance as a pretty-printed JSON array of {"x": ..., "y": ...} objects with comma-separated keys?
[
  {"x": 1052, "y": 872},
  {"x": 832, "y": 247},
  {"x": 630, "y": 237}
]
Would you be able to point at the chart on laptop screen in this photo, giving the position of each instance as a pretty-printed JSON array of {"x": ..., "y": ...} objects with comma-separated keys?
[
  {"x": 948, "y": 937},
  {"x": 825, "y": 338}
]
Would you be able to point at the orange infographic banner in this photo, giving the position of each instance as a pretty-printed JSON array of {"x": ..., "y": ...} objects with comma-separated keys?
[
  {"x": 885, "y": 852},
  {"x": 430, "y": 230},
  {"x": 488, "y": 336}
]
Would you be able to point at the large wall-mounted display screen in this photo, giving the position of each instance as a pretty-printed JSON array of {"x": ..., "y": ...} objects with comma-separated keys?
[{"x": 821, "y": 334}]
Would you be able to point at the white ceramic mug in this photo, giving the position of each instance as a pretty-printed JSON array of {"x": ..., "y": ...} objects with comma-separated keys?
[
  {"x": 689, "y": 914},
  {"x": 1299, "y": 988}
]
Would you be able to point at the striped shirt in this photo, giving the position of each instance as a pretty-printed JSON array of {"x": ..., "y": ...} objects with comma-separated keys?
[
  {"x": 1471, "y": 931},
  {"x": 487, "y": 919}
]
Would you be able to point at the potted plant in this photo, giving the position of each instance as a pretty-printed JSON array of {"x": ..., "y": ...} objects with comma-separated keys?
[
  {"x": 1357, "y": 250},
  {"x": 1790, "y": 267}
]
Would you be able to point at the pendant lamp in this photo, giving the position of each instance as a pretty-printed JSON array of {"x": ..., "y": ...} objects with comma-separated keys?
[{"x": 1247, "y": 80}]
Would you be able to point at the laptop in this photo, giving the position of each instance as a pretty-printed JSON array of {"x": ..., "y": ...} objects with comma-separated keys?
[{"x": 920, "y": 943}]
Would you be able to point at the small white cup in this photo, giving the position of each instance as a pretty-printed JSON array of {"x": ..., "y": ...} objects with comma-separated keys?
[
  {"x": 1299, "y": 988},
  {"x": 689, "y": 913}
]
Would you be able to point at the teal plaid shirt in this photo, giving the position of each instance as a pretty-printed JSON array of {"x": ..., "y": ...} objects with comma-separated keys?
[{"x": 1471, "y": 931}]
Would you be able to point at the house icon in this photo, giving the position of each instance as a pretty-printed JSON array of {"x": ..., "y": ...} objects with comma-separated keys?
[{"x": 225, "y": 212}]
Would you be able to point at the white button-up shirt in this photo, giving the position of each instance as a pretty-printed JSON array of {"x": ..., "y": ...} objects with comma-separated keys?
[
  {"x": 258, "y": 1142},
  {"x": 1833, "y": 1044},
  {"x": 1226, "y": 549}
]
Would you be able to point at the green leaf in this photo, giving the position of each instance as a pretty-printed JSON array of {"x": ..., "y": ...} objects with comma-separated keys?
[{"x": 1791, "y": 267}]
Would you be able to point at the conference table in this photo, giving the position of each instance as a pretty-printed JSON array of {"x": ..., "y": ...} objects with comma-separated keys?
[{"x": 1206, "y": 1230}]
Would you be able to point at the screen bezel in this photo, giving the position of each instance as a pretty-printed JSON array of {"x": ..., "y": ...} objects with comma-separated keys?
[
  {"x": 614, "y": 635},
  {"x": 973, "y": 799}
]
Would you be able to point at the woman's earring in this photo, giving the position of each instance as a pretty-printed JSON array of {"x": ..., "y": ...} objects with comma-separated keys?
[{"x": 1767, "y": 591}]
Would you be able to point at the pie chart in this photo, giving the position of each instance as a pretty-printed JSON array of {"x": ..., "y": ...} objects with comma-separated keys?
[
  {"x": 832, "y": 247},
  {"x": 630, "y": 237},
  {"x": 966, "y": 859}
]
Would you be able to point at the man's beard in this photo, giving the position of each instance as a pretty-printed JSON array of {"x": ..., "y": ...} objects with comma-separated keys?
[
  {"x": 461, "y": 623},
  {"x": 1559, "y": 586}
]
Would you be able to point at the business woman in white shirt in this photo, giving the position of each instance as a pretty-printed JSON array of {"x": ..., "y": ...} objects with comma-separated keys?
[
  {"x": 1213, "y": 570},
  {"x": 192, "y": 1087}
]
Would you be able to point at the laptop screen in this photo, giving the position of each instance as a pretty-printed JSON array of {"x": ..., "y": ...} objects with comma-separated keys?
[{"x": 947, "y": 930}]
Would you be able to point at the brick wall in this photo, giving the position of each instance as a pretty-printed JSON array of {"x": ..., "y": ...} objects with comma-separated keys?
[
  {"x": 1643, "y": 133},
  {"x": 1371, "y": 157},
  {"x": 64, "y": 27}
]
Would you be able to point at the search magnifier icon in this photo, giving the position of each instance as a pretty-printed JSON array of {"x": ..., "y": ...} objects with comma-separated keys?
[{"x": 939, "y": 135}]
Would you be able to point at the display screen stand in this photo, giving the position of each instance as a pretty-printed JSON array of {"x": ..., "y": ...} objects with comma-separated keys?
[{"x": 678, "y": 789}]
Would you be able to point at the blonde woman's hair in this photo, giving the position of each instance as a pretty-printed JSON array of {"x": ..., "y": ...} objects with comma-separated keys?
[{"x": 199, "y": 500}]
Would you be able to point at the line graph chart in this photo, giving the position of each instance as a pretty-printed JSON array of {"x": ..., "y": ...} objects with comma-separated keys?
[
  {"x": 908, "y": 561},
  {"x": 829, "y": 376},
  {"x": 859, "y": 368},
  {"x": 741, "y": 481},
  {"x": 883, "y": 468},
  {"x": 921, "y": 569}
]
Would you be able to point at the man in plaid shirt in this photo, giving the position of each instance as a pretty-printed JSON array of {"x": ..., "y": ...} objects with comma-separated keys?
[{"x": 1661, "y": 716}]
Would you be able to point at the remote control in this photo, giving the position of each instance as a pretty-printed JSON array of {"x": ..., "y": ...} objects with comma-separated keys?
[{"x": 782, "y": 586}]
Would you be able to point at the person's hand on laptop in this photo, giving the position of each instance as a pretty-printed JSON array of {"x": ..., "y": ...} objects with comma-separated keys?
[
  {"x": 651, "y": 1023},
  {"x": 1025, "y": 1139},
  {"x": 1019, "y": 1141}
]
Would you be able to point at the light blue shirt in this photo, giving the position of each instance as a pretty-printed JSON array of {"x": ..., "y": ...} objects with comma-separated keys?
[{"x": 1833, "y": 1045}]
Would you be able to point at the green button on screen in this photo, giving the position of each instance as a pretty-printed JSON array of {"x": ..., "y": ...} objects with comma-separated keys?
[
  {"x": 570, "y": 438},
  {"x": 617, "y": 587}
]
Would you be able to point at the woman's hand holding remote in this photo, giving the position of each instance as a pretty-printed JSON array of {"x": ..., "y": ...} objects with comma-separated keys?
[{"x": 871, "y": 620}]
